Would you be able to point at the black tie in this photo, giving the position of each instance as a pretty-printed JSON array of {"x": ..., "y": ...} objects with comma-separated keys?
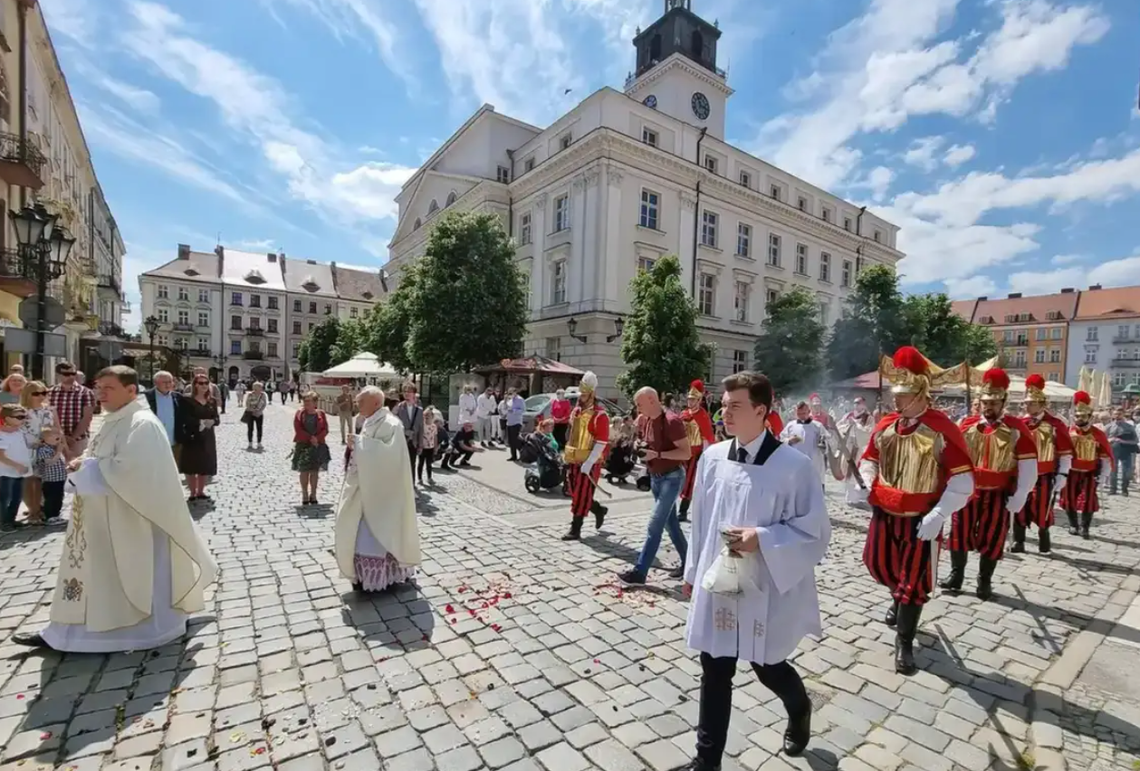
[{"x": 741, "y": 455}]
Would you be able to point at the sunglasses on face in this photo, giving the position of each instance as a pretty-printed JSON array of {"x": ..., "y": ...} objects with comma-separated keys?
[{"x": 39, "y": 393}]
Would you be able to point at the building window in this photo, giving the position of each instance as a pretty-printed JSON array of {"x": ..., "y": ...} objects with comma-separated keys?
[
  {"x": 311, "y": 325},
  {"x": 183, "y": 294},
  {"x": 524, "y": 228},
  {"x": 164, "y": 315},
  {"x": 272, "y": 302},
  {"x": 296, "y": 349},
  {"x": 296, "y": 327},
  {"x": 824, "y": 313},
  {"x": 163, "y": 292},
  {"x": 529, "y": 165},
  {"x": 313, "y": 308},
  {"x": 235, "y": 347},
  {"x": 826, "y": 214},
  {"x": 271, "y": 349},
  {"x": 296, "y": 306},
  {"x": 847, "y": 224},
  {"x": 353, "y": 313},
  {"x": 554, "y": 348},
  {"x": 255, "y": 301},
  {"x": 503, "y": 175},
  {"x": 162, "y": 340},
  {"x": 743, "y": 240},
  {"x": 203, "y": 345},
  {"x": 774, "y": 191},
  {"x": 1090, "y": 357},
  {"x": 770, "y": 297},
  {"x": 645, "y": 264},
  {"x": 1122, "y": 332},
  {"x": 845, "y": 274},
  {"x": 235, "y": 298},
  {"x": 1055, "y": 356},
  {"x": 710, "y": 163},
  {"x": 235, "y": 322},
  {"x": 649, "y": 137},
  {"x": 707, "y": 294},
  {"x": 203, "y": 319},
  {"x": 739, "y": 361},
  {"x": 203, "y": 295},
  {"x": 328, "y": 309},
  {"x": 825, "y": 267},
  {"x": 255, "y": 346},
  {"x": 650, "y": 202},
  {"x": 774, "y": 250},
  {"x": 558, "y": 283},
  {"x": 1042, "y": 333},
  {"x": 1039, "y": 356},
  {"x": 802, "y": 203},
  {"x": 1091, "y": 334},
  {"x": 740, "y": 300},
  {"x": 273, "y": 326},
  {"x": 561, "y": 213},
  {"x": 1019, "y": 359},
  {"x": 745, "y": 179},
  {"x": 1118, "y": 379},
  {"x": 1058, "y": 333},
  {"x": 184, "y": 317},
  {"x": 801, "y": 259},
  {"x": 708, "y": 229},
  {"x": 254, "y": 322},
  {"x": 1007, "y": 336},
  {"x": 877, "y": 236}
]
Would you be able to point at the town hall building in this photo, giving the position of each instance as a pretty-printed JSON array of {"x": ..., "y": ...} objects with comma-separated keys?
[{"x": 628, "y": 177}]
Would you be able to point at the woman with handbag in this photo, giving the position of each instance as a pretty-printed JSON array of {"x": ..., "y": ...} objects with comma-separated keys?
[
  {"x": 310, "y": 450},
  {"x": 254, "y": 415}
]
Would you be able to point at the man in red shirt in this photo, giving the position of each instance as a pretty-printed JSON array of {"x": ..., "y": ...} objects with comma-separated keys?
[
  {"x": 1004, "y": 456},
  {"x": 667, "y": 451},
  {"x": 585, "y": 456},
  {"x": 698, "y": 425}
]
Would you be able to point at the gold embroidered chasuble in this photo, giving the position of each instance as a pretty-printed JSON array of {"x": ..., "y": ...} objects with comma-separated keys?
[{"x": 106, "y": 573}]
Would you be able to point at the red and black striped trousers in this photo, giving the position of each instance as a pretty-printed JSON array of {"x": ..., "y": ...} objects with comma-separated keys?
[
  {"x": 1038, "y": 508},
  {"x": 898, "y": 559},
  {"x": 690, "y": 477},
  {"x": 581, "y": 491},
  {"x": 1079, "y": 493},
  {"x": 981, "y": 525}
]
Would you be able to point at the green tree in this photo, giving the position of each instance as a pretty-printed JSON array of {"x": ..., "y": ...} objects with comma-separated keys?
[
  {"x": 468, "y": 303},
  {"x": 660, "y": 344},
  {"x": 942, "y": 335},
  {"x": 790, "y": 347},
  {"x": 387, "y": 326},
  {"x": 315, "y": 351},
  {"x": 351, "y": 339},
  {"x": 872, "y": 323}
]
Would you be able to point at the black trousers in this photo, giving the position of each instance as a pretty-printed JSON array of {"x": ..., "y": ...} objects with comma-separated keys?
[
  {"x": 255, "y": 421},
  {"x": 53, "y": 499},
  {"x": 561, "y": 431},
  {"x": 716, "y": 699},
  {"x": 426, "y": 458},
  {"x": 412, "y": 454},
  {"x": 513, "y": 440}
]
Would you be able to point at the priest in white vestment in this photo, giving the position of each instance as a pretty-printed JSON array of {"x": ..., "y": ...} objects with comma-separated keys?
[
  {"x": 765, "y": 502},
  {"x": 809, "y": 436},
  {"x": 377, "y": 537},
  {"x": 133, "y": 565},
  {"x": 855, "y": 429}
]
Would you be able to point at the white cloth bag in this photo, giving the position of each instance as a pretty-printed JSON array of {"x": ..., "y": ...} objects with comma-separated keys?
[{"x": 723, "y": 576}]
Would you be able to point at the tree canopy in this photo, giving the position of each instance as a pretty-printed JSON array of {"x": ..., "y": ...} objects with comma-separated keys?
[
  {"x": 791, "y": 344},
  {"x": 315, "y": 352},
  {"x": 660, "y": 344}
]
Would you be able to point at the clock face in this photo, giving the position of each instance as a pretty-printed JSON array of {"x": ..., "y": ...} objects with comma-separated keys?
[
  {"x": 650, "y": 102},
  {"x": 701, "y": 106}
]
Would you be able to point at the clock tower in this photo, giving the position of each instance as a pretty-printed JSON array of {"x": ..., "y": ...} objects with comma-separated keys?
[{"x": 677, "y": 70}]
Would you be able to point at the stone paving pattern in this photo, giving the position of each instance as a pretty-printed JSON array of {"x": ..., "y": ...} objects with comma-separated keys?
[{"x": 516, "y": 651}]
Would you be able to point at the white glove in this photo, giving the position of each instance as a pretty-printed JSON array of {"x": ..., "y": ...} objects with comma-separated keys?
[
  {"x": 587, "y": 467},
  {"x": 931, "y": 525}
]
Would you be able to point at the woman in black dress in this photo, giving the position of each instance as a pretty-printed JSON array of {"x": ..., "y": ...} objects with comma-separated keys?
[{"x": 199, "y": 460}]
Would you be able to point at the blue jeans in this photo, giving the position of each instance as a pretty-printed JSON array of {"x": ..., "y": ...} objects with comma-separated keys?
[
  {"x": 11, "y": 493},
  {"x": 666, "y": 488}
]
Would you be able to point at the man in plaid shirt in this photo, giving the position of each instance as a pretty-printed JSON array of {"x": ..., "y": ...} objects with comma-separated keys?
[{"x": 75, "y": 406}]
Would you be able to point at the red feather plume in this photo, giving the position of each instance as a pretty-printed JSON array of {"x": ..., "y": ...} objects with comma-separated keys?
[
  {"x": 1035, "y": 381},
  {"x": 996, "y": 378},
  {"x": 910, "y": 359},
  {"x": 1082, "y": 397},
  {"x": 697, "y": 385}
]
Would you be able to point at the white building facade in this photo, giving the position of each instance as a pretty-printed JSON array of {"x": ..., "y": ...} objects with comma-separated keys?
[{"x": 626, "y": 178}]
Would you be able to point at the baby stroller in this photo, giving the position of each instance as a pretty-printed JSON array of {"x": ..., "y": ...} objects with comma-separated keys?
[
  {"x": 621, "y": 462},
  {"x": 544, "y": 465}
]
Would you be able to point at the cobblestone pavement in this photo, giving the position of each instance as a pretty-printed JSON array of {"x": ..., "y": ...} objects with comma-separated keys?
[{"x": 517, "y": 651}]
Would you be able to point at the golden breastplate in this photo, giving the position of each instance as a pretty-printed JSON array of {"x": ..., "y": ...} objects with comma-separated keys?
[
  {"x": 694, "y": 431},
  {"x": 1084, "y": 446},
  {"x": 909, "y": 462},
  {"x": 581, "y": 441},
  {"x": 1046, "y": 438},
  {"x": 992, "y": 451}
]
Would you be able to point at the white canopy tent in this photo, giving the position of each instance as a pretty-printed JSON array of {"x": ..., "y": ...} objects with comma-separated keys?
[
  {"x": 364, "y": 365},
  {"x": 1054, "y": 391}
]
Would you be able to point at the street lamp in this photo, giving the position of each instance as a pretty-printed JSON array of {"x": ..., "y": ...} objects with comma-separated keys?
[
  {"x": 221, "y": 359},
  {"x": 572, "y": 325},
  {"x": 151, "y": 325},
  {"x": 43, "y": 246},
  {"x": 619, "y": 327}
]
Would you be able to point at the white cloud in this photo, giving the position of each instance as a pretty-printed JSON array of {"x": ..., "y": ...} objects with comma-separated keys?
[
  {"x": 958, "y": 154},
  {"x": 921, "y": 152},
  {"x": 968, "y": 288},
  {"x": 74, "y": 19},
  {"x": 1066, "y": 259},
  {"x": 139, "y": 99},
  {"x": 888, "y": 66},
  {"x": 1120, "y": 272}
]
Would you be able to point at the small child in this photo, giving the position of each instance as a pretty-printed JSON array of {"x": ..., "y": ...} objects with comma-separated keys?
[
  {"x": 51, "y": 467},
  {"x": 15, "y": 460},
  {"x": 428, "y": 443}
]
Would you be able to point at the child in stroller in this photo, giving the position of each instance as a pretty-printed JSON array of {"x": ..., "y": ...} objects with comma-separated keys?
[
  {"x": 622, "y": 458},
  {"x": 544, "y": 462}
]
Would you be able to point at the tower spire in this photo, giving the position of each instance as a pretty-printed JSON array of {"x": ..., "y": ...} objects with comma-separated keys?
[{"x": 671, "y": 4}]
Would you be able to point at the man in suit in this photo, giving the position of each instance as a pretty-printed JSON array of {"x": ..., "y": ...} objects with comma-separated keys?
[
  {"x": 167, "y": 404},
  {"x": 411, "y": 414}
]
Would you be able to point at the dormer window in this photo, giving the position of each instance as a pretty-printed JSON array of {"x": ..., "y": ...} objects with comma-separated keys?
[
  {"x": 254, "y": 277},
  {"x": 310, "y": 284},
  {"x": 191, "y": 272},
  {"x": 416, "y": 224},
  {"x": 450, "y": 198},
  {"x": 433, "y": 207},
  {"x": 367, "y": 294}
]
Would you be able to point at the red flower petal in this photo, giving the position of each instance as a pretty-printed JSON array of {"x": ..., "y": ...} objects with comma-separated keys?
[
  {"x": 45, "y": 736},
  {"x": 462, "y": 589},
  {"x": 449, "y": 609},
  {"x": 496, "y": 627},
  {"x": 19, "y": 696},
  {"x": 596, "y": 661},
  {"x": 506, "y": 595},
  {"x": 484, "y": 605},
  {"x": 452, "y": 620}
]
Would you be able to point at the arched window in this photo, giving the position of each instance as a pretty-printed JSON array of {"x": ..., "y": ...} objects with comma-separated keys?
[
  {"x": 433, "y": 207},
  {"x": 417, "y": 224},
  {"x": 655, "y": 48},
  {"x": 697, "y": 46},
  {"x": 450, "y": 198}
]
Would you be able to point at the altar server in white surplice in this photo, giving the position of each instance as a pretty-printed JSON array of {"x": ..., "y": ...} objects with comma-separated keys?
[
  {"x": 133, "y": 564},
  {"x": 377, "y": 538},
  {"x": 765, "y": 499},
  {"x": 808, "y": 436}
]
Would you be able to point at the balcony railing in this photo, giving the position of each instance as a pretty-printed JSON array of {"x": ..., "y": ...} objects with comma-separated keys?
[
  {"x": 1128, "y": 363},
  {"x": 109, "y": 329},
  {"x": 21, "y": 162},
  {"x": 255, "y": 331},
  {"x": 1126, "y": 339},
  {"x": 181, "y": 326},
  {"x": 201, "y": 352},
  {"x": 255, "y": 355}
]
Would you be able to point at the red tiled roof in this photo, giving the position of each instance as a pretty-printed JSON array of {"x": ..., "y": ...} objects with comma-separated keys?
[
  {"x": 1038, "y": 308},
  {"x": 1120, "y": 302}
]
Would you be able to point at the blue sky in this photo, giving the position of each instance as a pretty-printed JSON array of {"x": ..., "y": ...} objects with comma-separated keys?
[{"x": 1001, "y": 135}]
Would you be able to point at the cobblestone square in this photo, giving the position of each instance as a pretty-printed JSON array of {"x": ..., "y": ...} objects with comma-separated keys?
[{"x": 514, "y": 650}]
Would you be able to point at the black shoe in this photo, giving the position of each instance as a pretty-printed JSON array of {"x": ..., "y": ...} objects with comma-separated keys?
[
  {"x": 575, "y": 533},
  {"x": 892, "y": 616},
  {"x": 1018, "y": 539},
  {"x": 34, "y": 640},
  {"x": 953, "y": 582},
  {"x": 358, "y": 587},
  {"x": 1044, "y": 543},
  {"x": 905, "y": 630},
  {"x": 700, "y": 765},
  {"x": 677, "y": 572},
  {"x": 797, "y": 735},
  {"x": 1086, "y": 522},
  {"x": 1017, "y": 548},
  {"x": 986, "y": 569},
  {"x": 632, "y": 577},
  {"x": 1074, "y": 528},
  {"x": 599, "y": 514},
  {"x": 683, "y": 511}
]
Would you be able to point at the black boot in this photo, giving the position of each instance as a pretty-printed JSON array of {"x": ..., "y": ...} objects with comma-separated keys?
[
  {"x": 599, "y": 514},
  {"x": 1074, "y": 529},
  {"x": 1044, "y": 544},
  {"x": 892, "y": 615},
  {"x": 575, "y": 533},
  {"x": 1086, "y": 520},
  {"x": 683, "y": 511},
  {"x": 904, "y": 638},
  {"x": 1018, "y": 539},
  {"x": 986, "y": 569},
  {"x": 953, "y": 582},
  {"x": 797, "y": 734}
]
